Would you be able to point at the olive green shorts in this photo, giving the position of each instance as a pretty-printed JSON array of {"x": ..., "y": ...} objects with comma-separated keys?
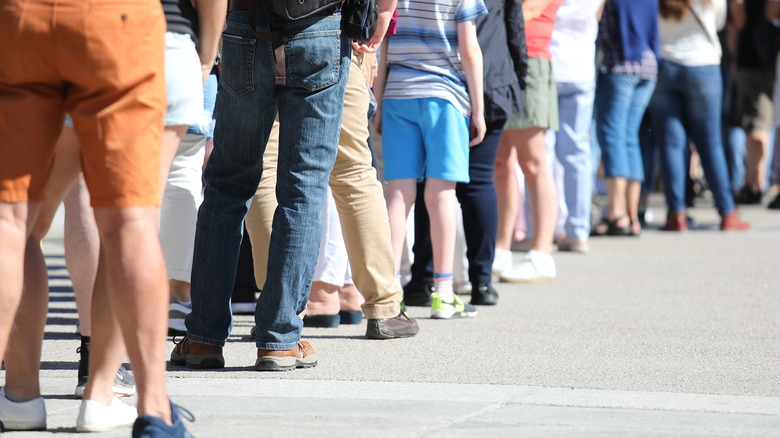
[{"x": 541, "y": 98}]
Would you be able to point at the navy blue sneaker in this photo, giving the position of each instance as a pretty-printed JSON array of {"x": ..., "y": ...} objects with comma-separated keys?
[{"x": 154, "y": 427}]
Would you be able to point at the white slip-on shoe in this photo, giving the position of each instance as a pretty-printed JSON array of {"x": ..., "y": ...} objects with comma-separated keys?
[
  {"x": 533, "y": 269},
  {"x": 29, "y": 415},
  {"x": 97, "y": 417}
]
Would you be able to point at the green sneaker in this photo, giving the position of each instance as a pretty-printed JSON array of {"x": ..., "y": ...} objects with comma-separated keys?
[{"x": 456, "y": 308}]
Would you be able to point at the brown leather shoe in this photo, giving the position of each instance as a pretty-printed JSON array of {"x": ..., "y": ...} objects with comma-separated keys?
[
  {"x": 675, "y": 222},
  {"x": 301, "y": 356},
  {"x": 731, "y": 222},
  {"x": 197, "y": 355},
  {"x": 400, "y": 326}
]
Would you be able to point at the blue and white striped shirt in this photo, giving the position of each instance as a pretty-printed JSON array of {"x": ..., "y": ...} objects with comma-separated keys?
[{"x": 423, "y": 55}]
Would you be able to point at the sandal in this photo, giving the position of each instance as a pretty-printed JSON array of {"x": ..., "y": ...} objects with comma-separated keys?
[
  {"x": 635, "y": 227},
  {"x": 610, "y": 227}
]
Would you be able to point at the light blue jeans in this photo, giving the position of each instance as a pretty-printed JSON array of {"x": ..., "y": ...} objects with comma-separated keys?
[
  {"x": 310, "y": 105},
  {"x": 571, "y": 147},
  {"x": 621, "y": 101}
]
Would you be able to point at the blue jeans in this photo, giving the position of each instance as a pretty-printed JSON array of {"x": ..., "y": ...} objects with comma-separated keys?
[
  {"x": 571, "y": 145},
  {"x": 621, "y": 101},
  {"x": 687, "y": 107},
  {"x": 309, "y": 102}
]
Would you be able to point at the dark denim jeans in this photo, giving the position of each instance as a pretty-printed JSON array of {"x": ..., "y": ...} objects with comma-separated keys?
[
  {"x": 621, "y": 101},
  {"x": 316, "y": 64},
  {"x": 686, "y": 107}
]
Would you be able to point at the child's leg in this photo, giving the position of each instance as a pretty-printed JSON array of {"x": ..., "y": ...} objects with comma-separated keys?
[
  {"x": 440, "y": 202},
  {"x": 400, "y": 197}
]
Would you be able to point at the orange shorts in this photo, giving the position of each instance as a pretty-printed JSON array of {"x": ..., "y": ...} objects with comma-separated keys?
[{"x": 103, "y": 62}]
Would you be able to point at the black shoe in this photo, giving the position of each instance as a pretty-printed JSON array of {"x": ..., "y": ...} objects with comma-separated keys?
[
  {"x": 387, "y": 328},
  {"x": 483, "y": 294},
  {"x": 418, "y": 295},
  {"x": 775, "y": 204},
  {"x": 124, "y": 382},
  {"x": 748, "y": 196}
]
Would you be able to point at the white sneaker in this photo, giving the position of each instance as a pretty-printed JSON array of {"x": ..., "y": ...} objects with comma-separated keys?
[
  {"x": 97, "y": 417},
  {"x": 29, "y": 415},
  {"x": 177, "y": 311},
  {"x": 535, "y": 268},
  {"x": 502, "y": 261}
]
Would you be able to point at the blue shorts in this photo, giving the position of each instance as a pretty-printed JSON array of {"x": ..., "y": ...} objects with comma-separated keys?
[{"x": 424, "y": 137}]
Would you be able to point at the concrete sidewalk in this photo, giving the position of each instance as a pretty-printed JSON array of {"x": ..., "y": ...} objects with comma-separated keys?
[{"x": 661, "y": 335}]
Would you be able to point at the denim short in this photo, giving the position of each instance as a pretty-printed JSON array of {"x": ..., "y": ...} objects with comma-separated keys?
[
  {"x": 184, "y": 83},
  {"x": 427, "y": 136}
]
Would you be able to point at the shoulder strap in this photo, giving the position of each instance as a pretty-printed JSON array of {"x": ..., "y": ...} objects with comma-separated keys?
[{"x": 701, "y": 24}]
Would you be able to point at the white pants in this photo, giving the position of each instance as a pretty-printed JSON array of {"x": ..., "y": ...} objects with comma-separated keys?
[
  {"x": 332, "y": 261},
  {"x": 179, "y": 210}
]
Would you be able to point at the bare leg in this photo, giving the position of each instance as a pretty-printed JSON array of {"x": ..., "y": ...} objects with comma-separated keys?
[
  {"x": 539, "y": 185},
  {"x": 82, "y": 246},
  {"x": 138, "y": 297},
  {"x": 323, "y": 299},
  {"x": 401, "y": 194},
  {"x": 107, "y": 349},
  {"x": 440, "y": 202},
  {"x": 13, "y": 228},
  {"x": 633, "y": 191},
  {"x": 506, "y": 192},
  {"x": 757, "y": 144},
  {"x": 24, "y": 345},
  {"x": 350, "y": 298}
]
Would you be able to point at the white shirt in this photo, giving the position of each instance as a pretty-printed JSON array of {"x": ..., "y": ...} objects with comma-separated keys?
[
  {"x": 686, "y": 42},
  {"x": 573, "y": 44}
]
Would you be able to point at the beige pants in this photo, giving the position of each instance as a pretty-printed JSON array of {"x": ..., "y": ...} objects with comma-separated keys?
[{"x": 359, "y": 199}]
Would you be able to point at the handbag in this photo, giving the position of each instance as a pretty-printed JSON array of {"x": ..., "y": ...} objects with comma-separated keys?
[{"x": 359, "y": 19}]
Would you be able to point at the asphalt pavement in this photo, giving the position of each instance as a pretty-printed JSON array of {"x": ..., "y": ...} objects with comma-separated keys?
[{"x": 661, "y": 335}]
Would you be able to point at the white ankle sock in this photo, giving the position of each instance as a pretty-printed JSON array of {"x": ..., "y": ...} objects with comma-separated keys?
[{"x": 442, "y": 284}]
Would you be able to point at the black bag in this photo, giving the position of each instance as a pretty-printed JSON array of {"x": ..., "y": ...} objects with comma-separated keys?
[
  {"x": 285, "y": 11},
  {"x": 359, "y": 19}
]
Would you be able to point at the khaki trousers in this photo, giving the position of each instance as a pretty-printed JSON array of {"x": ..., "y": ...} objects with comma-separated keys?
[{"x": 359, "y": 199}]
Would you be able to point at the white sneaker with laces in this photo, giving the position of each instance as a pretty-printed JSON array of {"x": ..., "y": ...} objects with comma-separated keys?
[
  {"x": 535, "y": 268},
  {"x": 97, "y": 417},
  {"x": 29, "y": 415}
]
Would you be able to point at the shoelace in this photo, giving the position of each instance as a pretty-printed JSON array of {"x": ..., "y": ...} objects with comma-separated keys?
[{"x": 184, "y": 412}]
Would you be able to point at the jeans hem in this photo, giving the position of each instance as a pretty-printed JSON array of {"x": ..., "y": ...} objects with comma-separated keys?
[
  {"x": 207, "y": 341},
  {"x": 275, "y": 346}
]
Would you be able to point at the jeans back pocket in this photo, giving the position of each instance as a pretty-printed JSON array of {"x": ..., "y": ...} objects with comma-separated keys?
[
  {"x": 313, "y": 59},
  {"x": 238, "y": 55}
]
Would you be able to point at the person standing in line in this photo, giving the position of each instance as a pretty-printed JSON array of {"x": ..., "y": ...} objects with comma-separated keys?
[
  {"x": 574, "y": 55},
  {"x": 309, "y": 102},
  {"x": 755, "y": 78},
  {"x": 429, "y": 89},
  {"x": 628, "y": 39},
  {"x": 501, "y": 35},
  {"x": 115, "y": 92},
  {"x": 686, "y": 106},
  {"x": 526, "y": 133}
]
